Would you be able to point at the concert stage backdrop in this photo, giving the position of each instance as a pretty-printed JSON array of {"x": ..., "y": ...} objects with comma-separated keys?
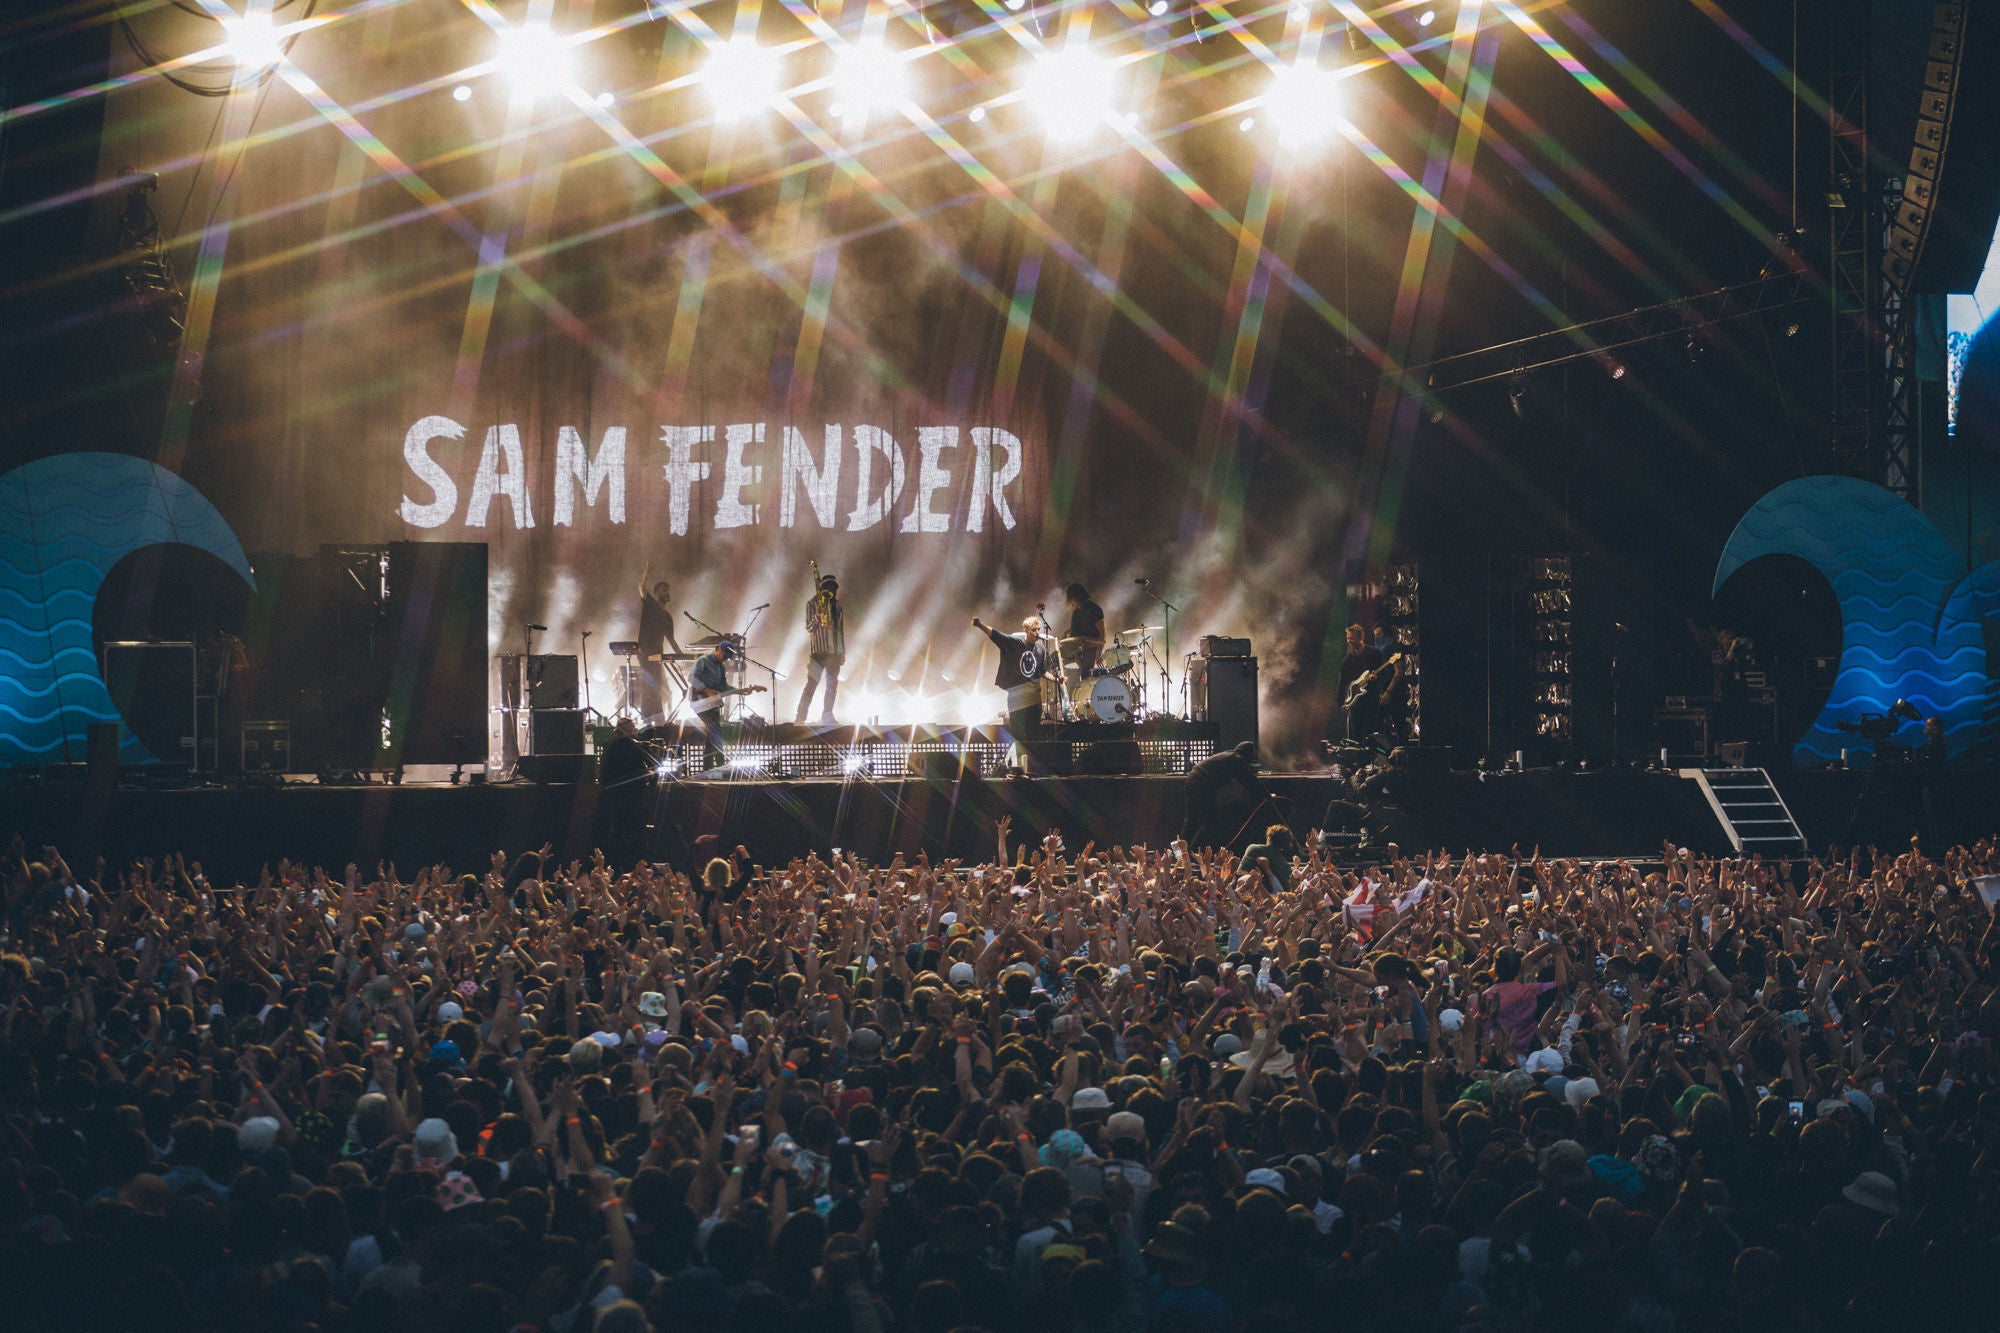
[{"x": 955, "y": 359}]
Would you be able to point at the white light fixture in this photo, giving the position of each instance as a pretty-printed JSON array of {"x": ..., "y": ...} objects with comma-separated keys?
[
  {"x": 1303, "y": 100},
  {"x": 1016, "y": 6},
  {"x": 1157, "y": 9},
  {"x": 741, "y": 78},
  {"x": 1073, "y": 89},
  {"x": 253, "y": 41},
  {"x": 605, "y": 99},
  {"x": 462, "y": 93},
  {"x": 1247, "y": 124},
  {"x": 533, "y": 60},
  {"x": 976, "y": 115},
  {"x": 1425, "y": 19}
]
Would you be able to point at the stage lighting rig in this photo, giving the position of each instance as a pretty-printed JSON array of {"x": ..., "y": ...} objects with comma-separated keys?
[
  {"x": 1073, "y": 91},
  {"x": 741, "y": 78}
]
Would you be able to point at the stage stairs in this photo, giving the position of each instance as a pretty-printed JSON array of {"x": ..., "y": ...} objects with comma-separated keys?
[{"x": 1752, "y": 812}]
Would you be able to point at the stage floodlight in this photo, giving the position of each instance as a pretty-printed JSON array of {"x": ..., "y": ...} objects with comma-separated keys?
[
  {"x": 1247, "y": 124},
  {"x": 1016, "y": 6},
  {"x": 253, "y": 41},
  {"x": 462, "y": 93},
  {"x": 976, "y": 115},
  {"x": 1073, "y": 90},
  {"x": 606, "y": 99},
  {"x": 1425, "y": 19},
  {"x": 741, "y": 78},
  {"x": 533, "y": 60},
  {"x": 868, "y": 77},
  {"x": 1303, "y": 100},
  {"x": 1158, "y": 9}
]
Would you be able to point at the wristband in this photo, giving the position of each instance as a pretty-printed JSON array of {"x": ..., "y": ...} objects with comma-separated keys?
[
  {"x": 965, "y": 1041},
  {"x": 878, "y": 1175},
  {"x": 609, "y": 1204},
  {"x": 574, "y": 1120},
  {"x": 736, "y": 1170},
  {"x": 791, "y": 1068}
]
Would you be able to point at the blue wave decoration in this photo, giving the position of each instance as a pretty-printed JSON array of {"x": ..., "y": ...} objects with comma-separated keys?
[
  {"x": 1910, "y": 618},
  {"x": 64, "y": 523}
]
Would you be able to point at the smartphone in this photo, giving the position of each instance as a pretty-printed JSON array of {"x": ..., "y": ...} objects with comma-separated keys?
[
  {"x": 1796, "y": 1110},
  {"x": 1685, "y": 1040}
]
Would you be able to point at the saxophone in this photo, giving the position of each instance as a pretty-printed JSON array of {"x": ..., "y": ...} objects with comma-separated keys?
[{"x": 816, "y": 613}]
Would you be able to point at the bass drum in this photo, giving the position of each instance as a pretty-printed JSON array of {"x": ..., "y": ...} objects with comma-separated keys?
[{"x": 1102, "y": 699}]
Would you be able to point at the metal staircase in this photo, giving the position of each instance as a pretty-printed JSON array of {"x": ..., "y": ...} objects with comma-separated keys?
[{"x": 1752, "y": 812}]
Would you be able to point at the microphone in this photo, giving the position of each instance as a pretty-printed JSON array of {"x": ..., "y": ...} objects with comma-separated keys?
[
  {"x": 586, "y": 634},
  {"x": 1143, "y": 582},
  {"x": 543, "y": 628},
  {"x": 765, "y": 607}
]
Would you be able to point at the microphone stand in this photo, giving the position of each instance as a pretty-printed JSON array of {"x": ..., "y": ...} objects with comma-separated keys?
[
  {"x": 585, "y": 651},
  {"x": 1167, "y": 627}
]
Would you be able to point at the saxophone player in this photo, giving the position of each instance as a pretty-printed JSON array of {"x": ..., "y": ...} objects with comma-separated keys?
[{"x": 826, "y": 626}]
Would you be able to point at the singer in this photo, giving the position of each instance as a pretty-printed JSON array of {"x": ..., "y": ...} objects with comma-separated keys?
[{"x": 826, "y": 626}]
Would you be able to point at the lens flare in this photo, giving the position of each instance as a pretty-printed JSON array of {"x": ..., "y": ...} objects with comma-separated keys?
[
  {"x": 253, "y": 41},
  {"x": 1073, "y": 91},
  {"x": 868, "y": 77},
  {"x": 741, "y": 79},
  {"x": 1303, "y": 101},
  {"x": 534, "y": 61}
]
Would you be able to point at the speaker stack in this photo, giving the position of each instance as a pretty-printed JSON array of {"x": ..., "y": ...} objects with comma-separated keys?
[
  {"x": 1222, "y": 689},
  {"x": 538, "y": 700}
]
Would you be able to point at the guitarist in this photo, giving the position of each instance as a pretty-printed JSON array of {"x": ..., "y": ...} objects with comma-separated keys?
[
  {"x": 656, "y": 629},
  {"x": 1367, "y": 701},
  {"x": 709, "y": 691}
]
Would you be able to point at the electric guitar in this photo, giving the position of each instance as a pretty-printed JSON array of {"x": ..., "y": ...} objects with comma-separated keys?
[
  {"x": 702, "y": 701},
  {"x": 1363, "y": 684}
]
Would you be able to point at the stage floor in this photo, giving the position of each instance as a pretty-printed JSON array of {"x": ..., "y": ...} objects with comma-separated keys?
[{"x": 235, "y": 830}]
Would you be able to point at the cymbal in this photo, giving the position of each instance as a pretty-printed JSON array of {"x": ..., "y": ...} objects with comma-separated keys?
[
  {"x": 710, "y": 640},
  {"x": 1141, "y": 630}
]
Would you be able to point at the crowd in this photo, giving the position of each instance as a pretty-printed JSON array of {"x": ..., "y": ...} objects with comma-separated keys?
[{"x": 1111, "y": 1089}]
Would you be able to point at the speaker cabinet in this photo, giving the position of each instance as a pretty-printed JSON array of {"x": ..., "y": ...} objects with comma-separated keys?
[
  {"x": 1230, "y": 687},
  {"x": 552, "y": 681},
  {"x": 152, "y": 687},
  {"x": 554, "y": 731}
]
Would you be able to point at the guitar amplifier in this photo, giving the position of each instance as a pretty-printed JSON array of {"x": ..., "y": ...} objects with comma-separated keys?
[
  {"x": 1218, "y": 645},
  {"x": 547, "y": 731},
  {"x": 552, "y": 680}
]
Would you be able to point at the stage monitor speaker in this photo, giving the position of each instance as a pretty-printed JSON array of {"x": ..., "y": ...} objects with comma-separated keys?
[
  {"x": 943, "y": 765},
  {"x": 1941, "y": 229},
  {"x": 1232, "y": 699},
  {"x": 552, "y": 680},
  {"x": 432, "y": 662},
  {"x": 554, "y": 731},
  {"x": 152, "y": 687},
  {"x": 1111, "y": 758}
]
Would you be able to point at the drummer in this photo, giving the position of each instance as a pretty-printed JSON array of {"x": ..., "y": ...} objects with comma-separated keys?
[{"x": 1085, "y": 644}]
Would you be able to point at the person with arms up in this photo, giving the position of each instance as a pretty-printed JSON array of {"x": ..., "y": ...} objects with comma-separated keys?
[
  {"x": 826, "y": 626},
  {"x": 656, "y": 637},
  {"x": 1024, "y": 662}
]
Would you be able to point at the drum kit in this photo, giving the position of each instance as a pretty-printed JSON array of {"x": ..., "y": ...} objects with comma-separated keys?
[{"x": 1113, "y": 691}]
